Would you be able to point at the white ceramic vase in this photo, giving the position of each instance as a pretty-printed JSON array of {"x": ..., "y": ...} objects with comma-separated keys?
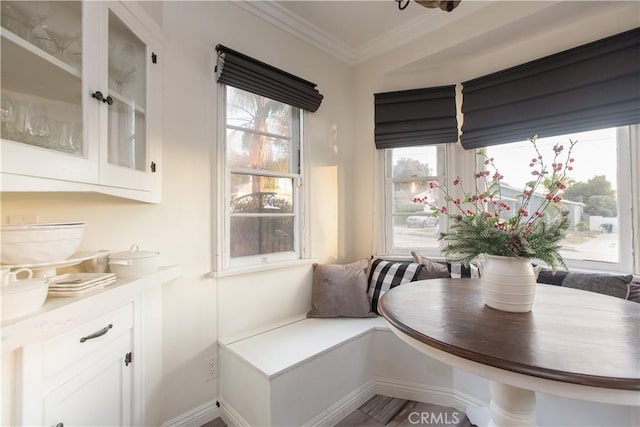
[{"x": 508, "y": 283}]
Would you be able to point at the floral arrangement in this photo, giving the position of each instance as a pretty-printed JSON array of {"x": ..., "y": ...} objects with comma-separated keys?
[{"x": 482, "y": 222}]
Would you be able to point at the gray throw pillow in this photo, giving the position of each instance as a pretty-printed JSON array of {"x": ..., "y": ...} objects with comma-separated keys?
[
  {"x": 430, "y": 269},
  {"x": 340, "y": 290},
  {"x": 547, "y": 276},
  {"x": 607, "y": 284}
]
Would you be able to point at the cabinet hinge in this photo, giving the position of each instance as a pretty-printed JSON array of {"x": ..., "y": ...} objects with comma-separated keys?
[
  {"x": 128, "y": 359},
  {"x": 153, "y": 167},
  {"x": 154, "y": 58}
]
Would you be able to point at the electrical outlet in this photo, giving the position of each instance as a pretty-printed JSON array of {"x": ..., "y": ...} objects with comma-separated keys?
[
  {"x": 212, "y": 368},
  {"x": 23, "y": 219}
]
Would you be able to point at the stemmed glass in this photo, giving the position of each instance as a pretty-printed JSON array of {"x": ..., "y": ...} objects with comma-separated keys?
[
  {"x": 61, "y": 39},
  {"x": 29, "y": 14},
  {"x": 121, "y": 67}
]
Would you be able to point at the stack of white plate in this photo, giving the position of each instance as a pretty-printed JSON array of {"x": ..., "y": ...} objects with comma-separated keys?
[{"x": 77, "y": 284}]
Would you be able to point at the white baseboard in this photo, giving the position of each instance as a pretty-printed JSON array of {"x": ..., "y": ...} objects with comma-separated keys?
[
  {"x": 444, "y": 396},
  {"x": 231, "y": 416},
  {"x": 385, "y": 386},
  {"x": 344, "y": 406},
  {"x": 196, "y": 417},
  {"x": 330, "y": 416}
]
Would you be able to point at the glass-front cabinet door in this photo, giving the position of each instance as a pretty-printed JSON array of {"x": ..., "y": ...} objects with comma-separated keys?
[
  {"x": 43, "y": 126},
  {"x": 81, "y": 97},
  {"x": 128, "y": 161}
]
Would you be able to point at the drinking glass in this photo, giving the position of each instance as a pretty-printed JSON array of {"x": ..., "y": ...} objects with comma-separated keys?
[
  {"x": 39, "y": 126},
  {"x": 61, "y": 39},
  {"x": 28, "y": 13},
  {"x": 7, "y": 115},
  {"x": 121, "y": 68},
  {"x": 21, "y": 121}
]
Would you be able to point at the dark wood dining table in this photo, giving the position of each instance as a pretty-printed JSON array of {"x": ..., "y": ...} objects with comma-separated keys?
[{"x": 573, "y": 343}]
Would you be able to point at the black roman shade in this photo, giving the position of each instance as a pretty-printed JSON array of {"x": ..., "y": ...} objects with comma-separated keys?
[
  {"x": 241, "y": 71},
  {"x": 416, "y": 117},
  {"x": 593, "y": 86}
]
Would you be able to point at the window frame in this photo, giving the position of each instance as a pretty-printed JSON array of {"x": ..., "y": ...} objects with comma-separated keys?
[
  {"x": 388, "y": 218},
  {"x": 463, "y": 163},
  {"x": 222, "y": 225},
  {"x": 624, "y": 198}
]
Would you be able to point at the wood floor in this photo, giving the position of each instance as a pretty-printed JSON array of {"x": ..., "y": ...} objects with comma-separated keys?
[{"x": 388, "y": 411}]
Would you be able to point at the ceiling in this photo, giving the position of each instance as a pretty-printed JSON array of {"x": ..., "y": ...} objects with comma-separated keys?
[{"x": 357, "y": 30}]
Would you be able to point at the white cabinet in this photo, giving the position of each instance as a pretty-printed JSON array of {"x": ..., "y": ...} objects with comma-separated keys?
[
  {"x": 99, "y": 395},
  {"x": 82, "y": 360},
  {"x": 81, "y": 98},
  {"x": 84, "y": 377}
]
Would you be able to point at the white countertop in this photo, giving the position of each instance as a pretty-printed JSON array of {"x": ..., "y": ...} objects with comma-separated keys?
[{"x": 59, "y": 314}]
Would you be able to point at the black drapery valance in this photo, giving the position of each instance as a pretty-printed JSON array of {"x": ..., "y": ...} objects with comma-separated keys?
[
  {"x": 416, "y": 117},
  {"x": 241, "y": 71},
  {"x": 593, "y": 86}
]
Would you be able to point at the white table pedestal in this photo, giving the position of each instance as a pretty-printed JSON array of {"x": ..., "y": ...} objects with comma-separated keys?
[{"x": 511, "y": 406}]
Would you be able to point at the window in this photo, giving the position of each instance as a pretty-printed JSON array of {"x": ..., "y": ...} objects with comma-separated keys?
[
  {"x": 263, "y": 175},
  {"x": 598, "y": 199},
  {"x": 409, "y": 223}
]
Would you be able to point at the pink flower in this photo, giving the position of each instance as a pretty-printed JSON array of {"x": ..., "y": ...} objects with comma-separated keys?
[
  {"x": 524, "y": 212},
  {"x": 456, "y": 181},
  {"x": 443, "y": 209}
]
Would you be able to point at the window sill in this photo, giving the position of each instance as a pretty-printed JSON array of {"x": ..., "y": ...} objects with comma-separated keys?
[{"x": 238, "y": 271}]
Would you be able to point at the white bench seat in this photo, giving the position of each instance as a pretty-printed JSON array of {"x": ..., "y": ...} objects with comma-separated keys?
[
  {"x": 315, "y": 371},
  {"x": 279, "y": 350}
]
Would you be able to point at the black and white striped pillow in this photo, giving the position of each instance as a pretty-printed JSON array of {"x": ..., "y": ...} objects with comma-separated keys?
[
  {"x": 459, "y": 271},
  {"x": 385, "y": 275}
]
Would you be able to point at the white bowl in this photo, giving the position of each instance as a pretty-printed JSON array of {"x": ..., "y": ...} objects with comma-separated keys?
[
  {"x": 21, "y": 297},
  {"x": 40, "y": 243}
]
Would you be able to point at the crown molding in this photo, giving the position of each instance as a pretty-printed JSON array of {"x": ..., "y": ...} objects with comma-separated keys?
[{"x": 299, "y": 27}]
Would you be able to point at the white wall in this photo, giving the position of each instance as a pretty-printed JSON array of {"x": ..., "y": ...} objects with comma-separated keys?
[{"x": 180, "y": 227}]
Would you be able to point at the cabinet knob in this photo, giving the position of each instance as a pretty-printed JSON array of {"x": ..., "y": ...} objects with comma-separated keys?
[
  {"x": 97, "y": 95},
  {"x": 108, "y": 100}
]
